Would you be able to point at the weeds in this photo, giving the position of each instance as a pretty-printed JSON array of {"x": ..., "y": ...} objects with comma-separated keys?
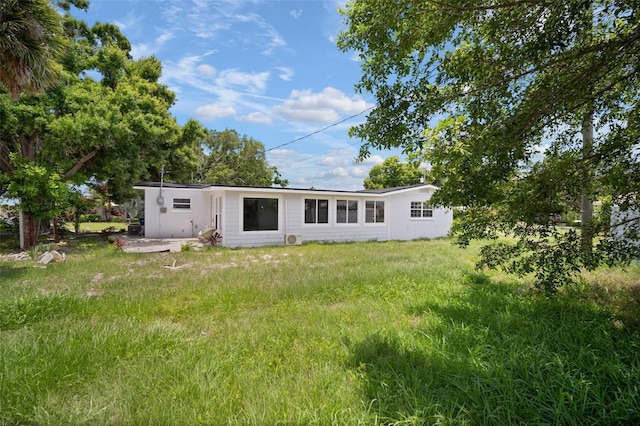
[
  {"x": 363, "y": 333},
  {"x": 39, "y": 249}
]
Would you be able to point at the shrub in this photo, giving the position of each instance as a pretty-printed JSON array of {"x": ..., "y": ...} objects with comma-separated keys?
[{"x": 90, "y": 217}]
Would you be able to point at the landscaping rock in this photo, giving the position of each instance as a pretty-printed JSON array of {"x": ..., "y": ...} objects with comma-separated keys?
[{"x": 52, "y": 256}]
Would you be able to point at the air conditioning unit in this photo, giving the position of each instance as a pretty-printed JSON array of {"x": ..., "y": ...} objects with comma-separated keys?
[{"x": 292, "y": 239}]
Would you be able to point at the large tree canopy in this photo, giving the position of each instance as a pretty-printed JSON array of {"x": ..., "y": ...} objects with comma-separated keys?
[
  {"x": 230, "y": 159},
  {"x": 393, "y": 173},
  {"x": 502, "y": 99},
  {"x": 107, "y": 121}
]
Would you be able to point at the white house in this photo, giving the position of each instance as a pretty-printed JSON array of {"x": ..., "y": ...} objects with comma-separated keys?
[{"x": 255, "y": 216}]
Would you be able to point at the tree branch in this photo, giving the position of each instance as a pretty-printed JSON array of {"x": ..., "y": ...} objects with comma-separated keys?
[
  {"x": 448, "y": 6},
  {"x": 80, "y": 163},
  {"x": 5, "y": 164}
]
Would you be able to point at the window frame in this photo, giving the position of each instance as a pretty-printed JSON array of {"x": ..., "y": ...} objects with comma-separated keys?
[
  {"x": 425, "y": 210},
  {"x": 348, "y": 211},
  {"x": 377, "y": 206},
  {"x": 317, "y": 211},
  {"x": 243, "y": 225}
]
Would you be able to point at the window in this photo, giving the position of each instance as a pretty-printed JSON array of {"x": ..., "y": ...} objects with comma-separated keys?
[
  {"x": 260, "y": 214},
  {"x": 316, "y": 211},
  {"x": 421, "y": 209},
  {"x": 346, "y": 211},
  {"x": 182, "y": 203},
  {"x": 374, "y": 211}
]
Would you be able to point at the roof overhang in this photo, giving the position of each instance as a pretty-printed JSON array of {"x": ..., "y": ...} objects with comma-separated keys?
[{"x": 271, "y": 190}]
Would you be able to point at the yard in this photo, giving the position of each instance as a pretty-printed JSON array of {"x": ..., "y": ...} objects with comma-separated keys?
[{"x": 366, "y": 333}]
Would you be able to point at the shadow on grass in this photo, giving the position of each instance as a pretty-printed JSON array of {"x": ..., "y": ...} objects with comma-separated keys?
[
  {"x": 7, "y": 274},
  {"x": 490, "y": 356}
]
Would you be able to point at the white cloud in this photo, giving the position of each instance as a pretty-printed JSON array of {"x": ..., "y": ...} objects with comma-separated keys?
[
  {"x": 286, "y": 73},
  {"x": 295, "y": 13},
  {"x": 257, "y": 118},
  {"x": 318, "y": 115},
  {"x": 283, "y": 153},
  {"x": 359, "y": 172},
  {"x": 265, "y": 32},
  {"x": 206, "y": 70},
  {"x": 142, "y": 50},
  {"x": 336, "y": 172},
  {"x": 213, "y": 111},
  {"x": 254, "y": 82},
  {"x": 164, "y": 37},
  {"x": 129, "y": 22},
  {"x": 302, "y": 181},
  {"x": 230, "y": 87},
  {"x": 372, "y": 160},
  {"x": 323, "y": 107},
  {"x": 333, "y": 162},
  {"x": 343, "y": 152}
]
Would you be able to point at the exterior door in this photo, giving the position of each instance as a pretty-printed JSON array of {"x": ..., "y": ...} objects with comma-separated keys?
[{"x": 216, "y": 211}]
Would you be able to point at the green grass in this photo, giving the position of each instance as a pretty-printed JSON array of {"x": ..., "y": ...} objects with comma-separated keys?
[
  {"x": 97, "y": 226},
  {"x": 367, "y": 333}
]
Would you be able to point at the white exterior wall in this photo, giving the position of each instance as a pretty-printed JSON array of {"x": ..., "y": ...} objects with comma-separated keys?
[
  {"x": 232, "y": 228},
  {"x": 625, "y": 222},
  {"x": 163, "y": 221},
  {"x": 291, "y": 213},
  {"x": 183, "y": 223},
  {"x": 404, "y": 227},
  {"x": 333, "y": 231}
]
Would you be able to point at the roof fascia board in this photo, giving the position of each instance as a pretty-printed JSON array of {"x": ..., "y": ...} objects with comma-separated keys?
[{"x": 314, "y": 192}]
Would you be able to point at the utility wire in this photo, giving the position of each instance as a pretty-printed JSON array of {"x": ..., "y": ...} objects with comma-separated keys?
[
  {"x": 321, "y": 130},
  {"x": 313, "y": 156}
]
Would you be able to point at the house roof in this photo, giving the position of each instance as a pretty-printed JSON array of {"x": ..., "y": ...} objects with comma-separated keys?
[
  {"x": 382, "y": 191},
  {"x": 394, "y": 189}
]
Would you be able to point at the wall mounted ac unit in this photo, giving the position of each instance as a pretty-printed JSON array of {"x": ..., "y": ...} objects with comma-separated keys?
[{"x": 292, "y": 239}]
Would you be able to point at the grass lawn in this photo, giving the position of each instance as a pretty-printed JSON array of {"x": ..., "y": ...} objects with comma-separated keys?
[
  {"x": 367, "y": 333},
  {"x": 97, "y": 226}
]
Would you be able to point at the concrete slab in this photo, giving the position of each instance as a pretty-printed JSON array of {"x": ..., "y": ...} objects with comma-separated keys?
[{"x": 133, "y": 244}]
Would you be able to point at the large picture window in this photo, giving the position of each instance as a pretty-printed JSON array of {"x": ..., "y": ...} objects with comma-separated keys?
[
  {"x": 374, "y": 212},
  {"x": 346, "y": 211},
  {"x": 316, "y": 211},
  {"x": 421, "y": 209},
  {"x": 260, "y": 214}
]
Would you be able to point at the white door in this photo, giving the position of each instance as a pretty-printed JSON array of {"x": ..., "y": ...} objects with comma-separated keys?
[{"x": 216, "y": 210}]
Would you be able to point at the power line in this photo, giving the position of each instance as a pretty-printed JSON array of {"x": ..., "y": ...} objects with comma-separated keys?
[
  {"x": 321, "y": 130},
  {"x": 314, "y": 156}
]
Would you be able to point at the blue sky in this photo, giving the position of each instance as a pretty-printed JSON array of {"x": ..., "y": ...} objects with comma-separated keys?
[{"x": 269, "y": 69}]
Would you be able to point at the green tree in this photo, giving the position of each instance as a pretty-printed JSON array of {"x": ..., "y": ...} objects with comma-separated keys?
[
  {"x": 184, "y": 160},
  {"x": 41, "y": 191},
  {"x": 231, "y": 159},
  {"x": 108, "y": 121},
  {"x": 393, "y": 173},
  {"x": 519, "y": 106},
  {"x": 31, "y": 42}
]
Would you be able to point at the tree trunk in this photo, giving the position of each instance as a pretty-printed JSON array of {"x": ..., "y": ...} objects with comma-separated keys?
[
  {"x": 586, "y": 211},
  {"x": 56, "y": 230},
  {"x": 76, "y": 221},
  {"x": 28, "y": 230}
]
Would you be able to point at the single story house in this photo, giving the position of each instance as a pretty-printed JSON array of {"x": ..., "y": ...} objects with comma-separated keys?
[{"x": 256, "y": 216}]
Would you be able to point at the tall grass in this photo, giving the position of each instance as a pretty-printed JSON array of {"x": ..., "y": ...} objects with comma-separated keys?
[{"x": 367, "y": 333}]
